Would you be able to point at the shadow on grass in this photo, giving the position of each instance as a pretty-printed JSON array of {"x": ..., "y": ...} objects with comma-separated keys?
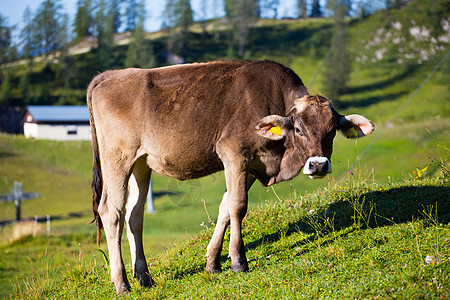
[
  {"x": 165, "y": 193},
  {"x": 6, "y": 154},
  {"x": 381, "y": 208},
  {"x": 376, "y": 86},
  {"x": 397, "y": 205},
  {"x": 367, "y": 101}
]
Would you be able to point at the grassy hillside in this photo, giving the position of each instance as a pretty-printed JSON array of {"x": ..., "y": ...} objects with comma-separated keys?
[
  {"x": 345, "y": 241},
  {"x": 292, "y": 251}
]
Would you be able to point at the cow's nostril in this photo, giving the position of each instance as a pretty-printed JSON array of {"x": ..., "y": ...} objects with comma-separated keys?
[{"x": 317, "y": 166}]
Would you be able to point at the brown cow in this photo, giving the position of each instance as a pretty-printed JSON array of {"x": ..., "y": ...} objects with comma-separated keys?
[{"x": 252, "y": 119}]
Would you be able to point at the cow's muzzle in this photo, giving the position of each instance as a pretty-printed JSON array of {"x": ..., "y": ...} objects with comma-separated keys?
[{"x": 317, "y": 167}]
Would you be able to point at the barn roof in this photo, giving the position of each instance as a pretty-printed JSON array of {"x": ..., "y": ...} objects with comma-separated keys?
[{"x": 63, "y": 113}]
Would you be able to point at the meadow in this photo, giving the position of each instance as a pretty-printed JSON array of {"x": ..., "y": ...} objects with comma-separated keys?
[{"x": 370, "y": 230}]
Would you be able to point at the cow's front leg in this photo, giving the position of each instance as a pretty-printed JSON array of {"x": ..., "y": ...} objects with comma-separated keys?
[
  {"x": 215, "y": 245},
  {"x": 238, "y": 182},
  {"x": 237, "y": 209}
]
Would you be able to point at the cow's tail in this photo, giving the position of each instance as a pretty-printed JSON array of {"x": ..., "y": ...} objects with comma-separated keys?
[{"x": 97, "y": 179}]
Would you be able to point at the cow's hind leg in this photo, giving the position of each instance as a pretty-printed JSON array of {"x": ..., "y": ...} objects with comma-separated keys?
[
  {"x": 138, "y": 189},
  {"x": 215, "y": 245},
  {"x": 112, "y": 213}
]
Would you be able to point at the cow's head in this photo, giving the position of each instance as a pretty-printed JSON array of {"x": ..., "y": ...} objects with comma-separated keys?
[{"x": 308, "y": 132}]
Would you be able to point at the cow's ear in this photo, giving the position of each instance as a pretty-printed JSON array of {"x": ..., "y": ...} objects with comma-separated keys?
[
  {"x": 355, "y": 126},
  {"x": 273, "y": 127}
]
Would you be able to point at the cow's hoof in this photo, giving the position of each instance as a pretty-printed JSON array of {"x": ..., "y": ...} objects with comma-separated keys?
[
  {"x": 213, "y": 269},
  {"x": 239, "y": 267},
  {"x": 123, "y": 289},
  {"x": 145, "y": 281}
]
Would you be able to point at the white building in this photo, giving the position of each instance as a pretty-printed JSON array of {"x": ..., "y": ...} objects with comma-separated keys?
[{"x": 57, "y": 122}]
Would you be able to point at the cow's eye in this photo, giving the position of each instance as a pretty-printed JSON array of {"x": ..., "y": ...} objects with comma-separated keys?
[{"x": 297, "y": 130}]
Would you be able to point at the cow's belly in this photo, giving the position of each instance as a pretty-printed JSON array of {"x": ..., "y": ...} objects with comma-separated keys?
[{"x": 183, "y": 166}]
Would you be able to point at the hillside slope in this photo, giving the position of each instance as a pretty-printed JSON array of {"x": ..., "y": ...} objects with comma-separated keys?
[{"x": 351, "y": 241}]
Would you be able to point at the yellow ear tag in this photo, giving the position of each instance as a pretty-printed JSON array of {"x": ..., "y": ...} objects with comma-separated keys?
[
  {"x": 351, "y": 133},
  {"x": 276, "y": 130}
]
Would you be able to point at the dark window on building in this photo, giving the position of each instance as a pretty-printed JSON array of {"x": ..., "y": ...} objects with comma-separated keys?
[{"x": 72, "y": 130}]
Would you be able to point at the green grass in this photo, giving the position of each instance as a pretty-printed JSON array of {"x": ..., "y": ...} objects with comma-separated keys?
[{"x": 351, "y": 241}]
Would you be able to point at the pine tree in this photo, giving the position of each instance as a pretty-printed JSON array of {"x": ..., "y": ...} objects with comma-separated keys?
[
  {"x": 140, "y": 52},
  {"x": 46, "y": 25},
  {"x": 5, "y": 40},
  {"x": 5, "y": 89},
  {"x": 338, "y": 65},
  {"x": 365, "y": 8},
  {"x": 105, "y": 35},
  {"x": 65, "y": 69},
  {"x": 114, "y": 13},
  {"x": 26, "y": 38},
  {"x": 240, "y": 14},
  {"x": 169, "y": 14},
  {"x": 178, "y": 17},
  {"x": 83, "y": 19},
  {"x": 184, "y": 14},
  {"x": 131, "y": 14},
  {"x": 316, "y": 11},
  {"x": 302, "y": 11}
]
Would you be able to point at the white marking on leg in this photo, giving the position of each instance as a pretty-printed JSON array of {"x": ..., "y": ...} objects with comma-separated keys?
[
  {"x": 223, "y": 220},
  {"x": 138, "y": 188}
]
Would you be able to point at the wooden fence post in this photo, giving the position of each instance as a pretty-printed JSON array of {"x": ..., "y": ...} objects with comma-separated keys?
[
  {"x": 48, "y": 225},
  {"x": 17, "y": 192}
]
